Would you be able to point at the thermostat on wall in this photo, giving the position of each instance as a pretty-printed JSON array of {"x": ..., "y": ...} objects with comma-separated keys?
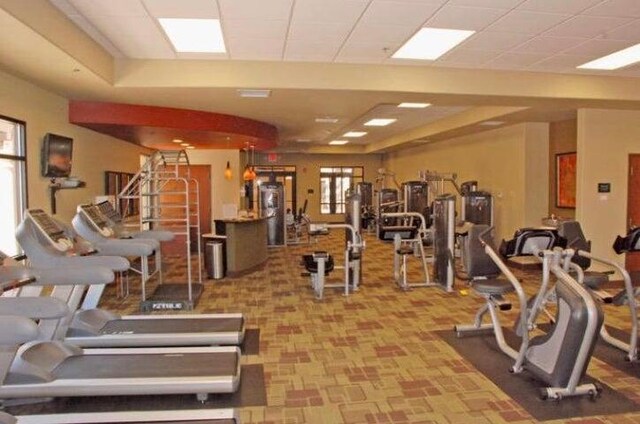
[{"x": 604, "y": 187}]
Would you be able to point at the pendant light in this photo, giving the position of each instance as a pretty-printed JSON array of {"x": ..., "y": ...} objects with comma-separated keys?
[{"x": 227, "y": 172}]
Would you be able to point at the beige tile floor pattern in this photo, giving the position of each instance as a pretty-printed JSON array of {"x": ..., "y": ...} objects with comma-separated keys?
[{"x": 372, "y": 357}]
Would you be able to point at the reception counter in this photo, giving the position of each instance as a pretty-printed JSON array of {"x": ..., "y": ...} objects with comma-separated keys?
[{"x": 246, "y": 243}]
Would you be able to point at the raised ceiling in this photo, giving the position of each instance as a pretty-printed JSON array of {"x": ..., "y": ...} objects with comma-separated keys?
[
  {"x": 332, "y": 60},
  {"x": 535, "y": 35}
]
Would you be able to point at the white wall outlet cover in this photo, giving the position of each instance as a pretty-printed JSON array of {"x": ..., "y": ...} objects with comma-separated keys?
[{"x": 604, "y": 197}]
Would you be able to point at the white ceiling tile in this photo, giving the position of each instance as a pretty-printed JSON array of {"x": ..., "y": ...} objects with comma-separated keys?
[
  {"x": 136, "y": 37},
  {"x": 598, "y": 47},
  {"x": 617, "y": 8},
  {"x": 386, "y": 35},
  {"x": 251, "y": 28},
  {"x": 469, "y": 18},
  {"x": 517, "y": 60},
  {"x": 398, "y": 13},
  {"x": 255, "y": 48},
  {"x": 586, "y": 26},
  {"x": 310, "y": 31},
  {"x": 310, "y": 51},
  {"x": 630, "y": 32},
  {"x": 333, "y": 11},
  {"x": 468, "y": 57},
  {"x": 91, "y": 30},
  {"x": 524, "y": 22},
  {"x": 109, "y": 8},
  {"x": 561, "y": 61},
  {"x": 182, "y": 9},
  {"x": 558, "y": 6},
  {"x": 498, "y": 4},
  {"x": 433, "y": 2},
  {"x": 549, "y": 45},
  {"x": 494, "y": 41},
  {"x": 370, "y": 52},
  {"x": 255, "y": 9}
]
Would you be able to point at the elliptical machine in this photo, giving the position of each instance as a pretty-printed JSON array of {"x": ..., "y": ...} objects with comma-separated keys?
[{"x": 559, "y": 358}]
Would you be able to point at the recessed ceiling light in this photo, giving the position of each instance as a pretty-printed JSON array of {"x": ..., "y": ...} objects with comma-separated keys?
[
  {"x": 491, "y": 123},
  {"x": 185, "y": 144},
  {"x": 194, "y": 35},
  {"x": 177, "y": 140},
  {"x": 303, "y": 140},
  {"x": 431, "y": 43},
  {"x": 254, "y": 93},
  {"x": 191, "y": 147},
  {"x": 355, "y": 134},
  {"x": 379, "y": 122},
  {"x": 414, "y": 105},
  {"x": 327, "y": 120},
  {"x": 338, "y": 142},
  {"x": 617, "y": 60}
]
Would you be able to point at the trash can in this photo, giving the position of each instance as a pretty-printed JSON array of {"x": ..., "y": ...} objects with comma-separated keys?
[{"x": 214, "y": 259}]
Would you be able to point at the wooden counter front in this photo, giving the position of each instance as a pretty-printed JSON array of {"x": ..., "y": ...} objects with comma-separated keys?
[{"x": 246, "y": 244}]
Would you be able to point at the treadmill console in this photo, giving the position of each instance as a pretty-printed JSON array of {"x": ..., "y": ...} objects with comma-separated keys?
[
  {"x": 93, "y": 215},
  {"x": 107, "y": 209},
  {"x": 50, "y": 229}
]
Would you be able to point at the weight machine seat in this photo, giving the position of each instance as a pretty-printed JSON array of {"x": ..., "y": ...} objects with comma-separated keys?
[
  {"x": 387, "y": 232},
  {"x": 312, "y": 266},
  {"x": 405, "y": 250},
  {"x": 593, "y": 279},
  {"x": 492, "y": 286}
]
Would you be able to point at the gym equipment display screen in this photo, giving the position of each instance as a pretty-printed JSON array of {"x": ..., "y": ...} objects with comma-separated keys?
[{"x": 56, "y": 156}]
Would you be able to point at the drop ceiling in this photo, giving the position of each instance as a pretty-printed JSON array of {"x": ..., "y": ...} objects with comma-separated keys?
[
  {"x": 534, "y": 35},
  {"x": 331, "y": 58}
]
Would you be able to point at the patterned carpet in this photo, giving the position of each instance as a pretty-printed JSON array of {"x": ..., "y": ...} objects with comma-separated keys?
[{"x": 372, "y": 357}]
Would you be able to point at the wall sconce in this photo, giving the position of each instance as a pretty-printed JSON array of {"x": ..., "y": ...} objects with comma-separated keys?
[{"x": 227, "y": 172}]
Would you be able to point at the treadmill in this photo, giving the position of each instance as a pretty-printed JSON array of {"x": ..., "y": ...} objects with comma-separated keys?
[
  {"x": 46, "y": 369},
  {"x": 18, "y": 330},
  {"x": 40, "y": 234}
]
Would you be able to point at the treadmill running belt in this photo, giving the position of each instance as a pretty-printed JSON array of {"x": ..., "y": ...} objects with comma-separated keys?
[
  {"x": 160, "y": 326},
  {"x": 149, "y": 366},
  {"x": 227, "y": 421}
]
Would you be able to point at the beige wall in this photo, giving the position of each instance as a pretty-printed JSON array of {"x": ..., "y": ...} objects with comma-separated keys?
[
  {"x": 562, "y": 139},
  {"x": 222, "y": 191},
  {"x": 308, "y": 175},
  {"x": 498, "y": 161},
  {"x": 605, "y": 140},
  {"x": 93, "y": 153}
]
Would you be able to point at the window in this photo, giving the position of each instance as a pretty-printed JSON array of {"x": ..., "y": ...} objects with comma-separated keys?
[
  {"x": 13, "y": 180},
  {"x": 334, "y": 182}
]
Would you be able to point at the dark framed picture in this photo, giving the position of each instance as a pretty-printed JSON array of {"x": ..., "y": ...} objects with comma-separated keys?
[
  {"x": 566, "y": 167},
  {"x": 56, "y": 156}
]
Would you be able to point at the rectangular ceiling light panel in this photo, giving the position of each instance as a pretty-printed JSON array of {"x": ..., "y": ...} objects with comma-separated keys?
[
  {"x": 379, "y": 122},
  {"x": 338, "y": 142},
  {"x": 409, "y": 105},
  {"x": 194, "y": 35},
  {"x": 431, "y": 43},
  {"x": 617, "y": 60},
  {"x": 355, "y": 134}
]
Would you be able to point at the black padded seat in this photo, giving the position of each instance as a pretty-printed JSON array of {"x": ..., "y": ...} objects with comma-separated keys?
[
  {"x": 405, "y": 250},
  {"x": 593, "y": 279},
  {"x": 492, "y": 286},
  {"x": 312, "y": 266}
]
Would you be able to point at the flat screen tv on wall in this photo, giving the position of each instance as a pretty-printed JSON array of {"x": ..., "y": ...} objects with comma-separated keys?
[{"x": 56, "y": 156}]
